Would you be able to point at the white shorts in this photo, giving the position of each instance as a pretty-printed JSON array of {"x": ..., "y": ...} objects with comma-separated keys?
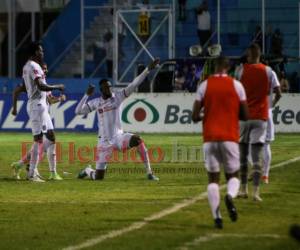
[
  {"x": 40, "y": 119},
  {"x": 253, "y": 131},
  {"x": 270, "y": 135},
  {"x": 105, "y": 149},
  {"x": 221, "y": 153}
]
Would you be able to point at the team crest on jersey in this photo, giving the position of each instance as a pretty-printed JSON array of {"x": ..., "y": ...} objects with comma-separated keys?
[{"x": 139, "y": 110}]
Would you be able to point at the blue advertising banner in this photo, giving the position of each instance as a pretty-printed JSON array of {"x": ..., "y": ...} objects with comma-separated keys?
[{"x": 63, "y": 115}]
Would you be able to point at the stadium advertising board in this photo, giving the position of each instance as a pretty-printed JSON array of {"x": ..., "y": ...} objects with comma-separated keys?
[{"x": 141, "y": 113}]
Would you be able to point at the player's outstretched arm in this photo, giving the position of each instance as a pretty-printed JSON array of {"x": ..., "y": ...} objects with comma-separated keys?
[
  {"x": 17, "y": 91},
  {"x": 83, "y": 107},
  {"x": 45, "y": 87},
  {"x": 140, "y": 78}
]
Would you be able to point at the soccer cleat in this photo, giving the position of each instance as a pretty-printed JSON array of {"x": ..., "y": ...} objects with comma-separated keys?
[
  {"x": 82, "y": 174},
  {"x": 36, "y": 179},
  {"x": 218, "y": 223},
  {"x": 16, "y": 166},
  {"x": 231, "y": 208},
  {"x": 152, "y": 177},
  {"x": 55, "y": 177},
  {"x": 242, "y": 195},
  {"x": 265, "y": 179},
  {"x": 257, "y": 198}
]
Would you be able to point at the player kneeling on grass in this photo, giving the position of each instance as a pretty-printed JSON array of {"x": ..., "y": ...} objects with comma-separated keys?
[
  {"x": 224, "y": 102},
  {"x": 111, "y": 135}
]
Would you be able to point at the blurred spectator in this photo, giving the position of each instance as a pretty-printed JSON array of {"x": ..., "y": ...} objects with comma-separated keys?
[
  {"x": 192, "y": 80},
  {"x": 180, "y": 76},
  {"x": 108, "y": 44},
  {"x": 2, "y": 36},
  {"x": 258, "y": 36},
  {"x": 284, "y": 83},
  {"x": 121, "y": 34},
  {"x": 294, "y": 83},
  {"x": 182, "y": 10},
  {"x": 204, "y": 28},
  {"x": 268, "y": 39},
  {"x": 276, "y": 43}
]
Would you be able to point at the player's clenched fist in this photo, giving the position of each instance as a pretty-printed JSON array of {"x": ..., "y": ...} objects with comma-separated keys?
[
  {"x": 90, "y": 90},
  {"x": 153, "y": 64},
  {"x": 61, "y": 87}
]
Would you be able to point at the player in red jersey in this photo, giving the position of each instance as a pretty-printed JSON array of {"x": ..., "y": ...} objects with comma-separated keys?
[
  {"x": 257, "y": 80},
  {"x": 224, "y": 102}
]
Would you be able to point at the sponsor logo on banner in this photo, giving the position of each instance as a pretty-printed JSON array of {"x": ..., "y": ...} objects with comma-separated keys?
[{"x": 139, "y": 111}]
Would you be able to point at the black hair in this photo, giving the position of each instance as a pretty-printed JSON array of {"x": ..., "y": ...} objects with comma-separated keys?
[
  {"x": 103, "y": 80},
  {"x": 33, "y": 47},
  {"x": 222, "y": 62},
  {"x": 255, "y": 50}
]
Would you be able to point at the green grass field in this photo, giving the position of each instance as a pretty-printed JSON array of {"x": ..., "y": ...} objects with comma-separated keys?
[{"x": 57, "y": 215}]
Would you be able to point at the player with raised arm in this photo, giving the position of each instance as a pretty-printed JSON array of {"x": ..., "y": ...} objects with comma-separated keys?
[
  {"x": 18, "y": 165},
  {"x": 111, "y": 135},
  {"x": 223, "y": 101},
  {"x": 257, "y": 80},
  {"x": 37, "y": 108}
]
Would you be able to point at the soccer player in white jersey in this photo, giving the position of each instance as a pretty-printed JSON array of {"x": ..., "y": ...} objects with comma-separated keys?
[
  {"x": 18, "y": 165},
  {"x": 267, "y": 154},
  {"x": 111, "y": 135},
  {"x": 37, "y": 108}
]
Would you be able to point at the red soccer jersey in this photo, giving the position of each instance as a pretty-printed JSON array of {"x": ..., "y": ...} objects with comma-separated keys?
[
  {"x": 257, "y": 86},
  {"x": 221, "y": 101}
]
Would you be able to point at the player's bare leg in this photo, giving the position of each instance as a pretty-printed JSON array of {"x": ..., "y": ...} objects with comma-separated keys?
[
  {"x": 256, "y": 150},
  {"x": 213, "y": 194},
  {"x": 233, "y": 185},
  {"x": 244, "y": 150},
  {"x": 267, "y": 157},
  {"x": 50, "y": 147},
  {"x": 36, "y": 153},
  {"x": 136, "y": 141},
  {"x": 18, "y": 165}
]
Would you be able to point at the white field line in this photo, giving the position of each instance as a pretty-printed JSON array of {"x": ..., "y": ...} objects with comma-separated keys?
[
  {"x": 156, "y": 216},
  {"x": 206, "y": 238}
]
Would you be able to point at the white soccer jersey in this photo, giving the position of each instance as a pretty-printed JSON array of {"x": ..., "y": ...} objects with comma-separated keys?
[
  {"x": 108, "y": 110},
  {"x": 108, "y": 114},
  {"x": 32, "y": 71},
  {"x": 274, "y": 84}
]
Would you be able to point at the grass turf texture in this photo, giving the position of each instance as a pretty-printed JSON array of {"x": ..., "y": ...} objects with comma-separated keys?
[{"x": 54, "y": 215}]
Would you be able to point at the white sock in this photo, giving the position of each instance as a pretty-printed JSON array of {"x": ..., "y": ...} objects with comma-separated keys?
[
  {"x": 233, "y": 187},
  {"x": 145, "y": 157},
  {"x": 214, "y": 199},
  {"x": 90, "y": 172},
  {"x": 255, "y": 190},
  {"x": 35, "y": 157},
  {"x": 51, "y": 154},
  {"x": 267, "y": 156}
]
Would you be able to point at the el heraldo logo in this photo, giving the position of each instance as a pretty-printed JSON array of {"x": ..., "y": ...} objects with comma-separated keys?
[{"x": 140, "y": 111}]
